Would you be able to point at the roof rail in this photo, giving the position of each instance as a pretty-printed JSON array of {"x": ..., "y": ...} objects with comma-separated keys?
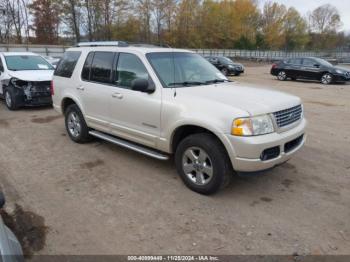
[{"x": 103, "y": 43}]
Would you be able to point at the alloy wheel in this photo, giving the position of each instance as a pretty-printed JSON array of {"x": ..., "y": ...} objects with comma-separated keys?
[
  {"x": 8, "y": 99},
  {"x": 326, "y": 79},
  {"x": 197, "y": 166},
  {"x": 282, "y": 76},
  {"x": 74, "y": 125}
]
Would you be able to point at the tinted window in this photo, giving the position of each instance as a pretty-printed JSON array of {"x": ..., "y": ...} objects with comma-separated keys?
[
  {"x": 67, "y": 64},
  {"x": 85, "y": 75},
  {"x": 101, "y": 69},
  {"x": 295, "y": 61},
  {"x": 309, "y": 62},
  {"x": 130, "y": 67}
]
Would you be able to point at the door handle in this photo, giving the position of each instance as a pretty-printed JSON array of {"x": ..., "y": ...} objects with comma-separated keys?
[
  {"x": 117, "y": 95},
  {"x": 81, "y": 88}
]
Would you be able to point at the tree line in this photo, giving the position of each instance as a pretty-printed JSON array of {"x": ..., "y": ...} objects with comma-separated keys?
[{"x": 225, "y": 24}]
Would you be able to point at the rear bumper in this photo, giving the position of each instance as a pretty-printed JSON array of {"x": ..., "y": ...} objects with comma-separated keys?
[
  {"x": 247, "y": 153},
  {"x": 274, "y": 71}
]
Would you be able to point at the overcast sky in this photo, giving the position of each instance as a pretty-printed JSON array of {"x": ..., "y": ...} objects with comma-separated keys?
[{"x": 303, "y": 6}]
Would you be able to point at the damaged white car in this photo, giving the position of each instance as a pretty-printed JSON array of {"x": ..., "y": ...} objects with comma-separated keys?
[{"x": 25, "y": 80}]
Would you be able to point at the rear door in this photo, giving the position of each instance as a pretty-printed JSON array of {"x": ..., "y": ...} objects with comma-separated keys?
[
  {"x": 310, "y": 70},
  {"x": 294, "y": 67},
  {"x": 96, "y": 88}
]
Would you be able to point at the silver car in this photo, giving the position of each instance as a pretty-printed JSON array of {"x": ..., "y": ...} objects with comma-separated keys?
[{"x": 10, "y": 248}]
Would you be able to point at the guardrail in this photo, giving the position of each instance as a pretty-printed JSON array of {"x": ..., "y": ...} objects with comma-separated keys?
[
  {"x": 57, "y": 51},
  {"x": 45, "y": 50}
]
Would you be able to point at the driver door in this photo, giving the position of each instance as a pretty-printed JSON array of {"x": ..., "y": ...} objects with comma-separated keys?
[{"x": 134, "y": 115}]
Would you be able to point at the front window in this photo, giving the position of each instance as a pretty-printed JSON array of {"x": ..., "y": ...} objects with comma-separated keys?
[
  {"x": 323, "y": 62},
  {"x": 27, "y": 62},
  {"x": 176, "y": 69}
]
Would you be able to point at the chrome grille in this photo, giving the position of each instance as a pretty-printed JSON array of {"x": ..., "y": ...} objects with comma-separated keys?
[
  {"x": 288, "y": 116},
  {"x": 347, "y": 74}
]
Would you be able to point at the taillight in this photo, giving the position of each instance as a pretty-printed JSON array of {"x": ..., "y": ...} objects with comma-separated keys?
[
  {"x": 52, "y": 90},
  {"x": 274, "y": 66}
]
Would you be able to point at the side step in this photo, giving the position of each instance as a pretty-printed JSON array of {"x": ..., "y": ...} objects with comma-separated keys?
[{"x": 129, "y": 145}]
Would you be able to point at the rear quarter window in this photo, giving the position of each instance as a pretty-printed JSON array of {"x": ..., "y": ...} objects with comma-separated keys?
[{"x": 67, "y": 64}]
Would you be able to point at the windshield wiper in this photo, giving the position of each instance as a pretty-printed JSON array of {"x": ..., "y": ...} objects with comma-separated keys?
[
  {"x": 214, "y": 81},
  {"x": 187, "y": 83}
]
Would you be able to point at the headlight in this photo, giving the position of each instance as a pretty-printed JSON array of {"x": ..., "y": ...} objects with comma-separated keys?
[
  {"x": 252, "y": 126},
  {"x": 339, "y": 71},
  {"x": 231, "y": 66}
]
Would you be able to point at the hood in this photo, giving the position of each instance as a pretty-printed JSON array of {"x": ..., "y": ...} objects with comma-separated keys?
[
  {"x": 33, "y": 75},
  {"x": 342, "y": 68},
  {"x": 252, "y": 99}
]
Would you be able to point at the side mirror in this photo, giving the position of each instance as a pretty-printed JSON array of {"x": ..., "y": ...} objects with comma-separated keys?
[
  {"x": 2, "y": 200},
  {"x": 317, "y": 65},
  {"x": 142, "y": 85}
]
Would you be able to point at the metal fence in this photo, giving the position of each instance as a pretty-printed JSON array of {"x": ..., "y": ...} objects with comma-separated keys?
[
  {"x": 57, "y": 51},
  {"x": 45, "y": 50},
  {"x": 275, "y": 55}
]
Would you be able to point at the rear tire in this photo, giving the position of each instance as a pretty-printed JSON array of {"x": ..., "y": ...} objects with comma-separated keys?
[
  {"x": 282, "y": 76},
  {"x": 203, "y": 164},
  {"x": 327, "y": 79},
  {"x": 76, "y": 126},
  {"x": 10, "y": 99}
]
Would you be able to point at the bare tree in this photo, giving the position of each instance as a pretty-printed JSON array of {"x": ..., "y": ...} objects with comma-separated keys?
[{"x": 325, "y": 19}]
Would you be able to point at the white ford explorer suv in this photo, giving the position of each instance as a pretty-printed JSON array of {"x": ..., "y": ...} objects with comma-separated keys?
[{"x": 163, "y": 102}]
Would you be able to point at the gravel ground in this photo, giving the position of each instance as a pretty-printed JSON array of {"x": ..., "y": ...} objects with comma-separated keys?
[{"x": 98, "y": 198}]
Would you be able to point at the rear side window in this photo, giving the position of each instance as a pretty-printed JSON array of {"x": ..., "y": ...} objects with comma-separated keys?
[
  {"x": 101, "y": 68},
  {"x": 295, "y": 61},
  {"x": 85, "y": 74},
  {"x": 67, "y": 64}
]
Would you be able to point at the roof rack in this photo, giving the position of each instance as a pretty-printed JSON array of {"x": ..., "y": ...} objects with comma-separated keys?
[{"x": 103, "y": 43}]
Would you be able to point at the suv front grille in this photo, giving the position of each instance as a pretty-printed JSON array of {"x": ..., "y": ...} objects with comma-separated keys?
[{"x": 288, "y": 116}]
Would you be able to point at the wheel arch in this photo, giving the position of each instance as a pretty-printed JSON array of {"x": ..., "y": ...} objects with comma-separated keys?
[{"x": 186, "y": 130}]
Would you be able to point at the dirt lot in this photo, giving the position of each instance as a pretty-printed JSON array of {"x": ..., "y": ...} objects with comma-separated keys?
[{"x": 100, "y": 199}]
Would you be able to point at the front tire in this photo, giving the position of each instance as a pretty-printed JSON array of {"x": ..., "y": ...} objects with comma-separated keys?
[
  {"x": 76, "y": 126},
  {"x": 282, "y": 76},
  {"x": 224, "y": 71},
  {"x": 327, "y": 79},
  {"x": 10, "y": 100},
  {"x": 203, "y": 164}
]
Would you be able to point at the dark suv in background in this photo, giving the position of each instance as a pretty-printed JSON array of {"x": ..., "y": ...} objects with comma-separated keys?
[
  {"x": 309, "y": 68},
  {"x": 226, "y": 65}
]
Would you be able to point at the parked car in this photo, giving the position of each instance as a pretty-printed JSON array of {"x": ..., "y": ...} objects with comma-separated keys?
[
  {"x": 10, "y": 248},
  {"x": 309, "y": 68},
  {"x": 162, "y": 102},
  {"x": 226, "y": 65},
  {"x": 25, "y": 80}
]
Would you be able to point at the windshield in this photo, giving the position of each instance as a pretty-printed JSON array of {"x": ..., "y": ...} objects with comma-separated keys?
[
  {"x": 27, "y": 62},
  {"x": 323, "y": 62},
  {"x": 177, "y": 69},
  {"x": 225, "y": 60}
]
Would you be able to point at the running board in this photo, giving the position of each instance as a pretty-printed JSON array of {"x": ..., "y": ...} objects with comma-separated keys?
[{"x": 130, "y": 145}]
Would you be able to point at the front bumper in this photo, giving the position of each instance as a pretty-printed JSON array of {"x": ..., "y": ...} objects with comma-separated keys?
[
  {"x": 341, "y": 78},
  {"x": 234, "y": 71},
  {"x": 246, "y": 152}
]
